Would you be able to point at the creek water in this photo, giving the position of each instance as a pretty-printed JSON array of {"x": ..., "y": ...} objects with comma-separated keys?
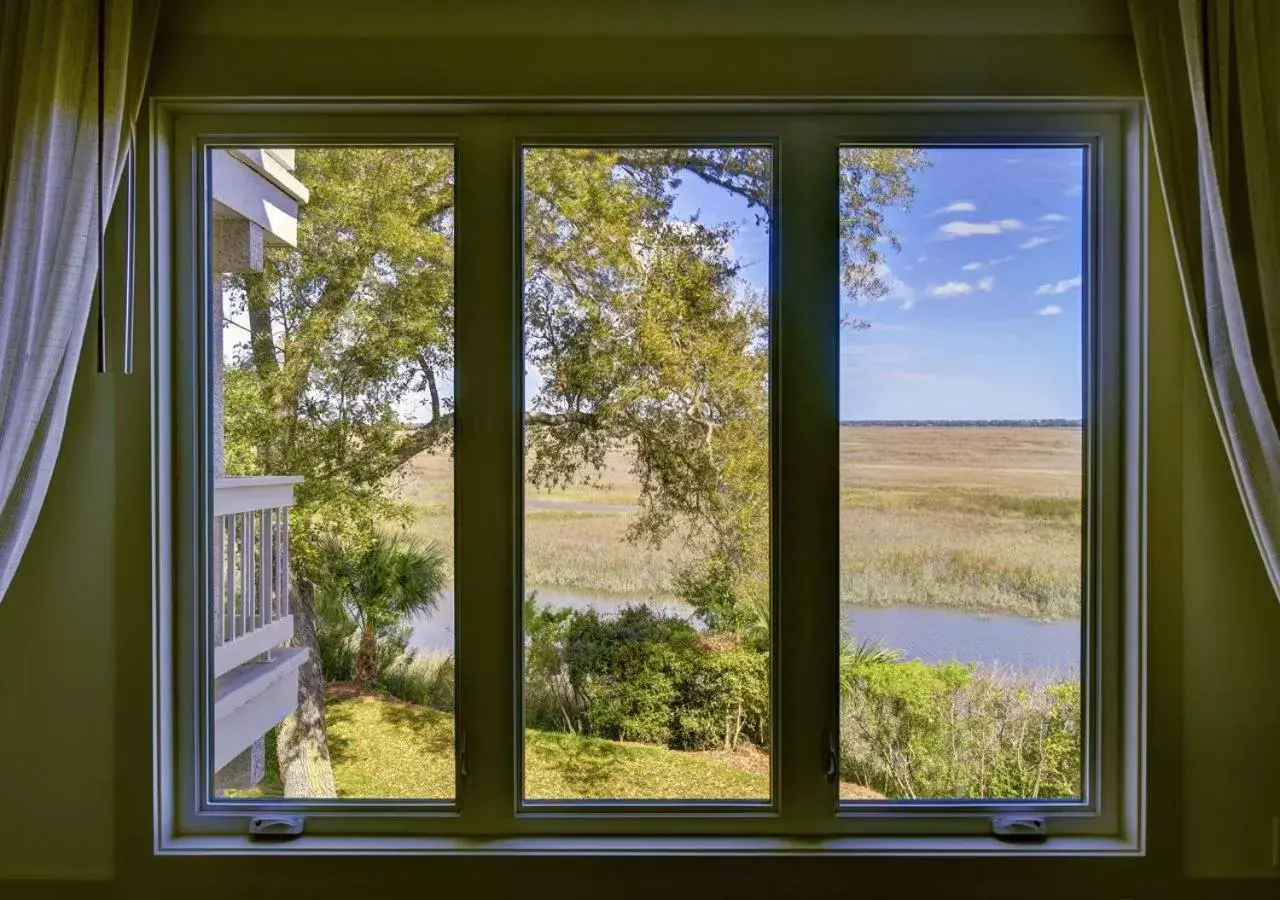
[{"x": 931, "y": 635}]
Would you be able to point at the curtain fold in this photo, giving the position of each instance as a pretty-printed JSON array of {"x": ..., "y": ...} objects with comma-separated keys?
[
  {"x": 1211, "y": 75},
  {"x": 49, "y": 221}
]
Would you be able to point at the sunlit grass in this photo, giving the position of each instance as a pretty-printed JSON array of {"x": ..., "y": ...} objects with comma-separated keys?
[
  {"x": 385, "y": 748},
  {"x": 975, "y": 519}
]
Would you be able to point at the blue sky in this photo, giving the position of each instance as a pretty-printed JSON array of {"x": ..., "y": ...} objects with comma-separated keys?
[{"x": 984, "y": 318}]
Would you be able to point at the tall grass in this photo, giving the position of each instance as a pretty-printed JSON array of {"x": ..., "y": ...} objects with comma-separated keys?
[
  {"x": 960, "y": 578},
  {"x": 973, "y": 519},
  {"x": 423, "y": 677}
]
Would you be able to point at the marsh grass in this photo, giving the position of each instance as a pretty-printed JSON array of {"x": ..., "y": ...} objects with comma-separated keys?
[{"x": 968, "y": 518}]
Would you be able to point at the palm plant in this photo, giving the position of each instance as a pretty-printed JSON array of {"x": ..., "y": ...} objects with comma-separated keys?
[
  {"x": 376, "y": 586},
  {"x": 856, "y": 657}
]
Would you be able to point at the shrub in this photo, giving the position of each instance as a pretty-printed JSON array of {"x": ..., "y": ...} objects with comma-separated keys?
[
  {"x": 726, "y": 602},
  {"x": 642, "y": 676},
  {"x": 723, "y": 699},
  {"x": 338, "y": 643},
  {"x": 911, "y": 730}
]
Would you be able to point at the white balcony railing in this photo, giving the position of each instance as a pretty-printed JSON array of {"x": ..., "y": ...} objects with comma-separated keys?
[
  {"x": 251, "y": 566},
  {"x": 256, "y": 678}
]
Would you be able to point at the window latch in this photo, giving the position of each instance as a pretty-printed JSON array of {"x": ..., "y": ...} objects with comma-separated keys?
[
  {"x": 276, "y": 828},
  {"x": 833, "y": 757},
  {"x": 1020, "y": 829}
]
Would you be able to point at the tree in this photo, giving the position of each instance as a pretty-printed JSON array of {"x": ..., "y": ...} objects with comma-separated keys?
[
  {"x": 377, "y": 586},
  {"x": 634, "y": 323}
]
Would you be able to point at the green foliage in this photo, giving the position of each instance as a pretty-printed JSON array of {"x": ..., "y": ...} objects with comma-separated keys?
[
  {"x": 642, "y": 676},
  {"x": 340, "y": 330},
  {"x": 715, "y": 590},
  {"x": 723, "y": 699},
  {"x": 376, "y": 586},
  {"x": 426, "y": 679},
  {"x": 338, "y": 644},
  {"x": 949, "y": 731},
  {"x": 634, "y": 324}
]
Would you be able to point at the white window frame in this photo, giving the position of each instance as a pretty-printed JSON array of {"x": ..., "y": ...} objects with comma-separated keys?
[{"x": 488, "y": 815}]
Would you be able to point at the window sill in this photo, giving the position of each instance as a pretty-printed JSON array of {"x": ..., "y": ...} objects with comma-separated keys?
[{"x": 578, "y": 845}]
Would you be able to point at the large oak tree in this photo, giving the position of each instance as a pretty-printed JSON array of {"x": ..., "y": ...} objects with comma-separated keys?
[{"x": 637, "y": 325}]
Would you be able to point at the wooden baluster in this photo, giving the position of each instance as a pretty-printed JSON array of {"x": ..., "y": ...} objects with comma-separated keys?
[
  {"x": 215, "y": 600},
  {"x": 284, "y": 545},
  {"x": 229, "y": 601},
  {"x": 246, "y": 572},
  {"x": 264, "y": 572},
  {"x": 280, "y": 562}
]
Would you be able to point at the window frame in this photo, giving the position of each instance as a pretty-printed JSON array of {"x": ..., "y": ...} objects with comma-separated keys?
[{"x": 488, "y": 814}]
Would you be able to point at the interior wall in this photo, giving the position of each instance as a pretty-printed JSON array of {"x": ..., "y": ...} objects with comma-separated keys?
[
  {"x": 57, "y": 660},
  {"x": 1231, "y": 660},
  {"x": 64, "y": 737}
]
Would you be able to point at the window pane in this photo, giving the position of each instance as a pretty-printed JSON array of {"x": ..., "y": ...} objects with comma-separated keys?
[
  {"x": 961, "y": 472},
  {"x": 646, "y": 520},
  {"x": 332, "y": 541}
]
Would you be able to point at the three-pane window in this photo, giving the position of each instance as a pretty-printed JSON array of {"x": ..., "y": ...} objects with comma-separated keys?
[{"x": 764, "y": 479}]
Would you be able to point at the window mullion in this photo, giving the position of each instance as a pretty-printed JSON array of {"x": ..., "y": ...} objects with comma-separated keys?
[
  {"x": 806, "y": 480},
  {"x": 487, "y": 460}
]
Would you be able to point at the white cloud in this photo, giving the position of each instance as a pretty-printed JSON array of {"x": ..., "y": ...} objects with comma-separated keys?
[
  {"x": 957, "y": 206},
  {"x": 1034, "y": 242},
  {"x": 1002, "y": 259},
  {"x": 971, "y": 267},
  {"x": 898, "y": 289},
  {"x": 1053, "y": 217},
  {"x": 1058, "y": 287},
  {"x": 952, "y": 289},
  {"x": 986, "y": 284},
  {"x": 1074, "y": 190},
  {"x": 921, "y": 258},
  {"x": 961, "y": 228},
  {"x": 1051, "y": 310}
]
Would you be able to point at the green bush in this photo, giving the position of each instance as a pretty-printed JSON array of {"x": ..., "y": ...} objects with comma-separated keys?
[
  {"x": 642, "y": 676},
  {"x": 338, "y": 644},
  {"x": 911, "y": 730},
  {"x": 723, "y": 699}
]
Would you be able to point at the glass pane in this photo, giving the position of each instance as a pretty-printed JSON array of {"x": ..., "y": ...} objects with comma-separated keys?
[
  {"x": 332, "y": 540},
  {"x": 961, "y": 472},
  {"x": 646, "y": 519}
]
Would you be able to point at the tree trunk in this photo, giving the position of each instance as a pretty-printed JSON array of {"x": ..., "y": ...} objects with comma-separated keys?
[
  {"x": 302, "y": 741},
  {"x": 367, "y": 657}
]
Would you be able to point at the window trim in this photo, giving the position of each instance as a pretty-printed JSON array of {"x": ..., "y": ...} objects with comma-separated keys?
[{"x": 487, "y": 138}]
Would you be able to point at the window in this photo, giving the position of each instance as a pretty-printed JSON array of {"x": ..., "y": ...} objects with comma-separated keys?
[
  {"x": 646, "y": 511},
  {"x": 333, "y": 481},
  {"x": 961, "y": 474},
  {"x": 652, "y": 466}
]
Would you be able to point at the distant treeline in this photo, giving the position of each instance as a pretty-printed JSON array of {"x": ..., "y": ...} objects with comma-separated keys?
[{"x": 967, "y": 423}]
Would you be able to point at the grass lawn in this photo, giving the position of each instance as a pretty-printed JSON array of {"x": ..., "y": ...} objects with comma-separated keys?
[{"x": 384, "y": 748}]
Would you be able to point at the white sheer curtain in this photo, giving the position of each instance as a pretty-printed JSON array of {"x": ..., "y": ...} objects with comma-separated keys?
[
  {"x": 49, "y": 221},
  {"x": 1211, "y": 74}
]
